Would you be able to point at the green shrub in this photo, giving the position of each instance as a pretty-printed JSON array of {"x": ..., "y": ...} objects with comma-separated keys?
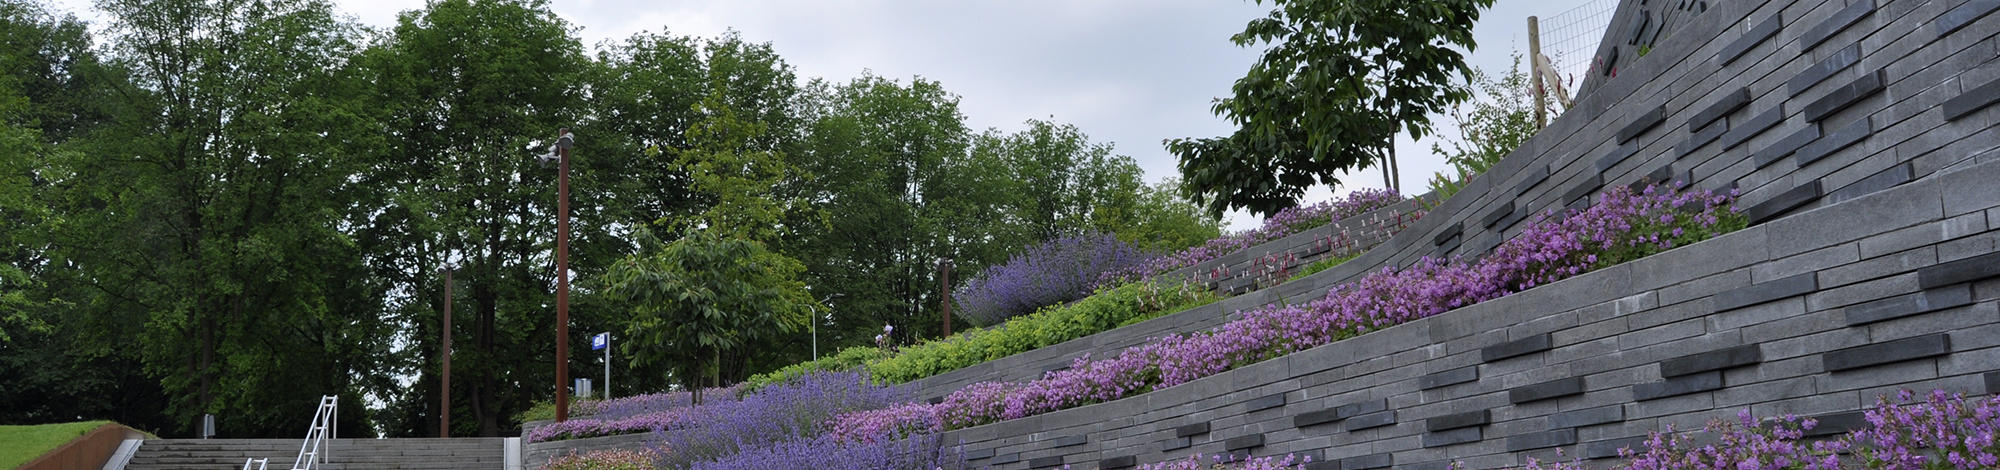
[
  {"x": 1102, "y": 311},
  {"x": 1324, "y": 264},
  {"x": 612, "y": 459},
  {"x": 846, "y": 359}
]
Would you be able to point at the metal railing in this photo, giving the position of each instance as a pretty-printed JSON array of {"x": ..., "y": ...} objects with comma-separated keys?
[
  {"x": 324, "y": 428},
  {"x": 260, "y": 463}
]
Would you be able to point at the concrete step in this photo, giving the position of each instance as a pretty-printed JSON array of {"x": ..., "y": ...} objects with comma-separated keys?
[{"x": 411, "y": 454}]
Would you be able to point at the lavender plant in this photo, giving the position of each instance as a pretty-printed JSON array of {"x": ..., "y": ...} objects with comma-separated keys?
[
  {"x": 921, "y": 452},
  {"x": 1224, "y": 462},
  {"x": 1943, "y": 432},
  {"x": 1279, "y": 225},
  {"x": 800, "y": 408},
  {"x": 610, "y": 459},
  {"x": 1052, "y": 272}
]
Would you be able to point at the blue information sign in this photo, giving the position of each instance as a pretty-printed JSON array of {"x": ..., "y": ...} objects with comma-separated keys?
[{"x": 599, "y": 341}]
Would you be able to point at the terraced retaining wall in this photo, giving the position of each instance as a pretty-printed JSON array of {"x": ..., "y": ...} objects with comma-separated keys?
[
  {"x": 1797, "y": 104},
  {"x": 1814, "y": 314}
]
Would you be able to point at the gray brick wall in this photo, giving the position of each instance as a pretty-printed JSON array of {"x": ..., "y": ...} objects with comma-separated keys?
[{"x": 1587, "y": 364}]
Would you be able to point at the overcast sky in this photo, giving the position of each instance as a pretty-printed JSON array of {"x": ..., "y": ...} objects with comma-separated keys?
[{"x": 1127, "y": 72}]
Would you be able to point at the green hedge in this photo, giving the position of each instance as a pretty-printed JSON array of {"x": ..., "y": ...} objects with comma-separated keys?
[{"x": 1104, "y": 310}]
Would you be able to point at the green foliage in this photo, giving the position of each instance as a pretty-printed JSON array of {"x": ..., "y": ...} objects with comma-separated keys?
[
  {"x": 702, "y": 296},
  {"x": 604, "y": 459},
  {"x": 1494, "y": 126},
  {"x": 846, "y": 359},
  {"x": 1323, "y": 265},
  {"x": 1159, "y": 219},
  {"x": 1107, "y": 309},
  {"x": 1052, "y": 325},
  {"x": 1336, "y": 82},
  {"x": 20, "y": 444}
]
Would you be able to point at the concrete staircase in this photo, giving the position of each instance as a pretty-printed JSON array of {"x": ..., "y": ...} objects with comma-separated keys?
[{"x": 343, "y": 454}]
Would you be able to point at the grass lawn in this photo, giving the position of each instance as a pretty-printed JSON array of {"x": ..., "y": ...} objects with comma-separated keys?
[{"x": 19, "y": 444}]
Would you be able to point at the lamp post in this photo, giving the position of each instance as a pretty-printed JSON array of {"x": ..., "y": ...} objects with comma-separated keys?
[
  {"x": 944, "y": 293},
  {"x": 563, "y": 142},
  {"x": 444, "y": 408},
  {"x": 816, "y": 319}
]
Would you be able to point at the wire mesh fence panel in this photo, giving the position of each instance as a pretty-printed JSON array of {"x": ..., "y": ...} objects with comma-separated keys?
[{"x": 1569, "y": 40}]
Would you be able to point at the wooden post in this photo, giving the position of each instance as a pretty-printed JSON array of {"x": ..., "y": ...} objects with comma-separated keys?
[
  {"x": 562, "y": 275},
  {"x": 944, "y": 293},
  {"x": 444, "y": 410},
  {"x": 1534, "y": 69}
]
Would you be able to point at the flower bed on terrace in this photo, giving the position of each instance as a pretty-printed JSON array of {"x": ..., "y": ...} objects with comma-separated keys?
[
  {"x": 1280, "y": 225},
  {"x": 1624, "y": 225}
]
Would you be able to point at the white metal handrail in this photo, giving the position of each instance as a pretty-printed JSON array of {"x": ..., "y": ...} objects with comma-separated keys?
[
  {"x": 260, "y": 463},
  {"x": 324, "y": 427}
]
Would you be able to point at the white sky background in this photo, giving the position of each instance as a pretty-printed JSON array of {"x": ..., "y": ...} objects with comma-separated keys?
[{"x": 1127, "y": 72}]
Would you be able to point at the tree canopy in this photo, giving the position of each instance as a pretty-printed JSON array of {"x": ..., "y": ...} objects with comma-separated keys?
[
  {"x": 1336, "y": 83},
  {"x": 233, "y": 207}
]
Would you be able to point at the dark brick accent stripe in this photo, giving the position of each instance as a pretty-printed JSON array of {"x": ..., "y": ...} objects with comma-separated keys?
[
  {"x": 1617, "y": 155},
  {"x": 1068, "y": 441},
  {"x": 1965, "y": 14},
  {"x": 1643, "y": 122},
  {"x": 1729, "y": 103},
  {"x": 979, "y": 454},
  {"x": 1840, "y": 98},
  {"x": 1497, "y": 215},
  {"x": 1448, "y": 233},
  {"x": 1766, "y": 291},
  {"x": 1546, "y": 390},
  {"x": 1528, "y": 345},
  {"x": 1750, "y": 39},
  {"x": 1700, "y": 138},
  {"x": 1840, "y": 20},
  {"x": 1174, "y": 444},
  {"x": 1314, "y": 418},
  {"x": 1972, "y": 100},
  {"x": 1006, "y": 458},
  {"x": 1453, "y": 437},
  {"x": 1381, "y": 460},
  {"x": 1608, "y": 448},
  {"x": 1124, "y": 461},
  {"x": 1752, "y": 127},
  {"x": 1712, "y": 360},
  {"x": 1534, "y": 177},
  {"x": 1838, "y": 423},
  {"x": 1583, "y": 189},
  {"x": 1819, "y": 72},
  {"x": 1888, "y": 178},
  {"x": 1784, "y": 202},
  {"x": 1935, "y": 344},
  {"x": 1588, "y": 417},
  {"x": 1458, "y": 420},
  {"x": 1834, "y": 141},
  {"x": 1957, "y": 271},
  {"x": 1541, "y": 440},
  {"x": 1931, "y": 300},
  {"x": 1195, "y": 429},
  {"x": 1784, "y": 147},
  {"x": 1244, "y": 442},
  {"x": 1677, "y": 386},
  {"x": 1450, "y": 377},
  {"x": 1371, "y": 420},
  {"x": 1264, "y": 402},
  {"x": 1045, "y": 462}
]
